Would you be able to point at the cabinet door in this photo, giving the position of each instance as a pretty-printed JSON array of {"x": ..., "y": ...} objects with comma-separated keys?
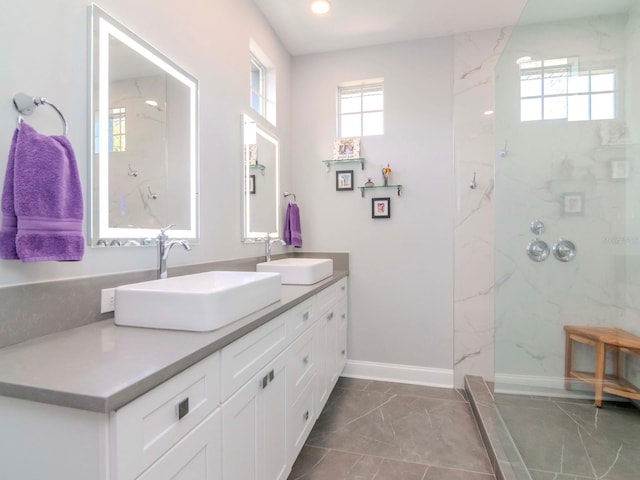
[
  {"x": 322, "y": 390},
  {"x": 194, "y": 457},
  {"x": 254, "y": 426},
  {"x": 273, "y": 409}
]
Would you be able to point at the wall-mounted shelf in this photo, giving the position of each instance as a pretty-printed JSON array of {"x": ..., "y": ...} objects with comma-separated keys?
[
  {"x": 398, "y": 187},
  {"x": 328, "y": 163},
  {"x": 257, "y": 166}
]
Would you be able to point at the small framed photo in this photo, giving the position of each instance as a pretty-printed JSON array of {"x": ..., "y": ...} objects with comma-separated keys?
[
  {"x": 253, "y": 154},
  {"x": 252, "y": 184},
  {"x": 573, "y": 203},
  {"x": 344, "y": 180},
  {"x": 381, "y": 207},
  {"x": 620, "y": 169},
  {"x": 345, "y": 148}
]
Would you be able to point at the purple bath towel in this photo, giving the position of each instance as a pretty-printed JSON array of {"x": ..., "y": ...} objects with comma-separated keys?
[
  {"x": 292, "y": 230},
  {"x": 42, "y": 206}
]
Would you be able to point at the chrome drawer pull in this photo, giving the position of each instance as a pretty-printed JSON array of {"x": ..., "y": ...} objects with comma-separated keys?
[
  {"x": 305, "y": 360},
  {"x": 183, "y": 408},
  {"x": 343, "y": 352},
  {"x": 330, "y": 316},
  {"x": 306, "y": 415},
  {"x": 264, "y": 381},
  {"x": 305, "y": 316},
  {"x": 344, "y": 315},
  {"x": 343, "y": 288},
  {"x": 271, "y": 375}
]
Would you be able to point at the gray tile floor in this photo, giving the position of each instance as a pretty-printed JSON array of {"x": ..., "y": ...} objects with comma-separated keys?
[
  {"x": 563, "y": 439},
  {"x": 388, "y": 431}
]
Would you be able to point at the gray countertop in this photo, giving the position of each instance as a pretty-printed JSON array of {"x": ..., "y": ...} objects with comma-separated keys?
[{"x": 101, "y": 367}]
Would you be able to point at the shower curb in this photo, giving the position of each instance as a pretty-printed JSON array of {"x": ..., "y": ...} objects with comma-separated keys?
[{"x": 504, "y": 456}]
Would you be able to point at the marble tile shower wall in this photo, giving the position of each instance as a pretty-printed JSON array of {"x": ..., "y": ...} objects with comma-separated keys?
[
  {"x": 546, "y": 160},
  {"x": 475, "y": 56}
]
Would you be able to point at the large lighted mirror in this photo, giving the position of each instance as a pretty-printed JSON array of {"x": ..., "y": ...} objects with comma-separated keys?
[
  {"x": 144, "y": 139},
  {"x": 261, "y": 186}
]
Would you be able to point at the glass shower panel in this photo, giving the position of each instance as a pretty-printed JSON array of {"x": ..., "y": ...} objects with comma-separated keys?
[{"x": 567, "y": 127}]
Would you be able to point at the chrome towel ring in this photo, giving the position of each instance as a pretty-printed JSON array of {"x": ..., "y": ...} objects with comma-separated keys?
[{"x": 26, "y": 104}]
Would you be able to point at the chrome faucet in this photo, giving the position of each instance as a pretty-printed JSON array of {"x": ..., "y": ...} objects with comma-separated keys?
[
  {"x": 268, "y": 243},
  {"x": 164, "y": 246}
]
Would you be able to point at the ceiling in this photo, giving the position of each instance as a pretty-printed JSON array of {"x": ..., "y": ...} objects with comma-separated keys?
[{"x": 359, "y": 23}]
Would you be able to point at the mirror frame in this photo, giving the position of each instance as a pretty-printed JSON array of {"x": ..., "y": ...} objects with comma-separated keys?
[
  {"x": 101, "y": 26},
  {"x": 249, "y": 236}
]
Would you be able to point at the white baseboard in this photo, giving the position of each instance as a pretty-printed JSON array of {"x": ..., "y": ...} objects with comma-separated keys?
[
  {"x": 388, "y": 372},
  {"x": 543, "y": 386}
]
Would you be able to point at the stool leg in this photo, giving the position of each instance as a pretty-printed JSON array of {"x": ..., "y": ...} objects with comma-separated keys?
[
  {"x": 599, "y": 374},
  {"x": 568, "y": 360}
]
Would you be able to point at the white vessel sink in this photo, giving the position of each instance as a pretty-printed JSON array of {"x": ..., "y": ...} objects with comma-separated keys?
[
  {"x": 299, "y": 271},
  {"x": 200, "y": 302}
]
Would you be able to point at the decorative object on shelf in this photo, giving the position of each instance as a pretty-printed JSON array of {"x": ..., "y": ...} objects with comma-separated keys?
[
  {"x": 346, "y": 148},
  {"x": 252, "y": 184},
  {"x": 381, "y": 207},
  {"x": 151, "y": 195},
  {"x": 253, "y": 154},
  {"x": 344, "y": 180},
  {"x": 386, "y": 175},
  {"x": 369, "y": 183},
  {"x": 620, "y": 169},
  {"x": 573, "y": 203}
]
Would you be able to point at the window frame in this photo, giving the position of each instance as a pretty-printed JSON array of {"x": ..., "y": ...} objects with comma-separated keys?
[
  {"x": 360, "y": 88},
  {"x": 261, "y": 93},
  {"x": 571, "y": 68}
]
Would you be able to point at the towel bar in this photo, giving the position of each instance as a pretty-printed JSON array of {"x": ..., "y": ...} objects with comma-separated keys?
[{"x": 26, "y": 104}]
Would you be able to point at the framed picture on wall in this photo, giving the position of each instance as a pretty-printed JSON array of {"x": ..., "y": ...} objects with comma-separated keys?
[
  {"x": 252, "y": 184},
  {"x": 573, "y": 203},
  {"x": 381, "y": 207},
  {"x": 345, "y": 148},
  {"x": 344, "y": 180},
  {"x": 619, "y": 169}
]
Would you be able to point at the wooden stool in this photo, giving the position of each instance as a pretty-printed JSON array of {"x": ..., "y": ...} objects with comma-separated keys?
[{"x": 602, "y": 339}]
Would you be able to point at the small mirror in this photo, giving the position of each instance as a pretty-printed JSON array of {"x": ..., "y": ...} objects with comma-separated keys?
[
  {"x": 261, "y": 185},
  {"x": 144, "y": 144}
]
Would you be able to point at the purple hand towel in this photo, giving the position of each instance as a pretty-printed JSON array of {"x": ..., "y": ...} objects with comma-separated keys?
[
  {"x": 292, "y": 230},
  {"x": 42, "y": 206}
]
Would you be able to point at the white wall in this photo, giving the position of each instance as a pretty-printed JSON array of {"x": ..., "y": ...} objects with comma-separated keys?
[
  {"x": 401, "y": 268},
  {"x": 43, "y": 45}
]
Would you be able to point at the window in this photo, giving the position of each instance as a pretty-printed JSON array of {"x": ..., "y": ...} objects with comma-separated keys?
[
  {"x": 117, "y": 131},
  {"x": 262, "y": 93},
  {"x": 258, "y": 90},
  {"x": 361, "y": 110},
  {"x": 559, "y": 89}
]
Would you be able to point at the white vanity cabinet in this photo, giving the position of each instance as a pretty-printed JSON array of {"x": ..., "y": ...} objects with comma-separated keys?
[
  {"x": 331, "y": 339},
  {"x": 242, "y": 413}
]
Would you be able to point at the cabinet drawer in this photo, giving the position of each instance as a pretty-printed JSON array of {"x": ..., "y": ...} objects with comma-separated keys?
[
  {"x": 301, "y": 418},
  {"x": 243, "y": 358},
  {"x": 150, "y": 425},
  {"x": 331, "y": 294},
  {"x": 300, "y": 318},
  {"x": 341, "y": 288},
  {"x": 302, "y": 364},
  {"x": 197, "y": 455}
]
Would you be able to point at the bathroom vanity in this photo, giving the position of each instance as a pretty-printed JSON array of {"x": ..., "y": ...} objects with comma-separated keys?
[{"x": 109, "y": 402}]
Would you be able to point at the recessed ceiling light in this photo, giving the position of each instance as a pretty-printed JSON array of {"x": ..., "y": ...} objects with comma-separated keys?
[
  {"x": 151, "y": 103},
  {"x": 320, "y": 7},
  {"x": 488, "y": 112}
]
